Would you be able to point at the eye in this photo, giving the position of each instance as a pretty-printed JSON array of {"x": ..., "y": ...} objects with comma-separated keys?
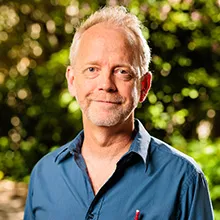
[
  {"x": 123, "y": 74},
  {"x": 91, "y": 69},
  {"x": 123, "y": 71},
  {"x": 91, "y": 72}
]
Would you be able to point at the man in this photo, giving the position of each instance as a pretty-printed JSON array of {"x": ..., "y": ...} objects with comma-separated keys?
[{"x": 114, "y": 167}]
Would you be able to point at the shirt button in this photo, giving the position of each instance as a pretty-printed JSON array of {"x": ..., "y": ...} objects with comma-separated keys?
[{"x": 91, "y": 216}]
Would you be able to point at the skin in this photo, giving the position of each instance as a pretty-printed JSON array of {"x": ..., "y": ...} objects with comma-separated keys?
[{"x": 104, "y": 82}]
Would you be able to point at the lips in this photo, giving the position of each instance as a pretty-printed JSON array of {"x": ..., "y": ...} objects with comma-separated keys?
[
  {"x": 108, "y": 99},
  {"x": 108, "y": 102}
]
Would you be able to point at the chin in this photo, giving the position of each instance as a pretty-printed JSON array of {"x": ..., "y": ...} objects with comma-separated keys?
[
  {"x": 108, "y": 120},
  {"x": 105, "y": 123}
]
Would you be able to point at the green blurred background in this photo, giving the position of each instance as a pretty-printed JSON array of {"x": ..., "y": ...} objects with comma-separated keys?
[{"x": 37, "y": 114}]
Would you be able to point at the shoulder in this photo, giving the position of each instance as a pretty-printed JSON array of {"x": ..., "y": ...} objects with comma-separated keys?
[
  {"x": 51, "y": 156},
  {"x": 171, "y": 159},
  {"x": 182, "y": 177},
  {"x": 174, "y": 168},
  {"x": 48, "y": 163}
]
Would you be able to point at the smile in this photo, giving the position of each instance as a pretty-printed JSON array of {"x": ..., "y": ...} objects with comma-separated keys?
[{"x": 107, "y": 102}]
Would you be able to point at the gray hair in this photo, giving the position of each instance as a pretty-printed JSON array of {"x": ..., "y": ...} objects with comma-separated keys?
[{"x": 119, "y": 17}]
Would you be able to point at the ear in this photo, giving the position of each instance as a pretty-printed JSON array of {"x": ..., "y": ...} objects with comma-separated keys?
[
  {"x": 70, "y": 80},
  {"x": 145, "y": 86}
]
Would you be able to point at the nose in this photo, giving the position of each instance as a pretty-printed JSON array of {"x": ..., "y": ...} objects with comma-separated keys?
[{"x": 107, "y": 81}]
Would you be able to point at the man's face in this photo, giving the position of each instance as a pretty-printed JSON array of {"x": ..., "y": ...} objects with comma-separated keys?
[{"x": 103, "y": 77}]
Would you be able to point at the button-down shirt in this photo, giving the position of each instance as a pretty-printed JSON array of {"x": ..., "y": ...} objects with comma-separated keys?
[{"x": 151, "y": 177}]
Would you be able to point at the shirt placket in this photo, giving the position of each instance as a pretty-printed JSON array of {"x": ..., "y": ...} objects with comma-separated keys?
[
  {"x": 94, "y": 209},
  {"x": 96, "y": 205}
]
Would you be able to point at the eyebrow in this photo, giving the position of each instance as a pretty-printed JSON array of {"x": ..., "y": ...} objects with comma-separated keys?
[{"x": 94, "y": 62}]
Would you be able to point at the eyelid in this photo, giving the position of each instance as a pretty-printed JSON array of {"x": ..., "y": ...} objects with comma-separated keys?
[
  {"x": 127, "y": 70},
  {"x": 127, "y": 76},
  {"x": 90, "y": 66},
  {"x": 90, "y": 74}
]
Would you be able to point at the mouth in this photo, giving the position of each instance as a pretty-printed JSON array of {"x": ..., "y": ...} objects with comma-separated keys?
[{"x": 108, "y": 102}]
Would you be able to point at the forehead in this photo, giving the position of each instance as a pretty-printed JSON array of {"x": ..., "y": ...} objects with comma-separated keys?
[{"x": 104, "y": 38}]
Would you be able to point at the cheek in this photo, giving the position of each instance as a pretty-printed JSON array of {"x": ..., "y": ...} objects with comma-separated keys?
[
  {"x": 84, "y": 87},
  {"x": 131, "y": 92},
  {"x": 135, "y": 93}
]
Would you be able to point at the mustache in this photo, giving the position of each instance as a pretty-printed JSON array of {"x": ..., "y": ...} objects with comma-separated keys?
[{"x": 111, "y": 98}]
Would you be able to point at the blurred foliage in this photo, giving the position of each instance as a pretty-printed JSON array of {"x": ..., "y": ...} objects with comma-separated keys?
[{"x": 183, "y": 106}]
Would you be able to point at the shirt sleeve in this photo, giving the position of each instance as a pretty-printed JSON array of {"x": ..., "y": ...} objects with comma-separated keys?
[
  {"x": 195, "y": 201},
  {"x": 28, "y": 212}
]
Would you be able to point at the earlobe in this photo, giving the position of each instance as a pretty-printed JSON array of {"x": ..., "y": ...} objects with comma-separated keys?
[
  {"x": 145, "y": 86},
  {"x": 70, "y": 80}
]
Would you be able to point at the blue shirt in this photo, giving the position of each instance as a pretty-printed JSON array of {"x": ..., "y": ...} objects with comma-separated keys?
[{"x": 152, "y": 177}]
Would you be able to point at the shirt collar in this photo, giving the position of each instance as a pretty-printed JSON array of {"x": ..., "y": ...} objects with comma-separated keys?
[
  {"x": 70, "y": 148},
  {"x": 141, "y": 141},
  {"x": 139, "y": 145}
]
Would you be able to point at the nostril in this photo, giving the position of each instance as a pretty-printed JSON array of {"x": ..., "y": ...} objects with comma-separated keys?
[{"x": 107, "y": 84}]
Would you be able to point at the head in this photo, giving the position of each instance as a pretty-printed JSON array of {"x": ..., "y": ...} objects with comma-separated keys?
[
  {"x": 119, "y": 17},
  {"x": 109, "y": 61}
]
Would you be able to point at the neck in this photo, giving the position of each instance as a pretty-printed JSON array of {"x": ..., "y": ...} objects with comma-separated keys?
[{"x": 107, "y": 142}]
